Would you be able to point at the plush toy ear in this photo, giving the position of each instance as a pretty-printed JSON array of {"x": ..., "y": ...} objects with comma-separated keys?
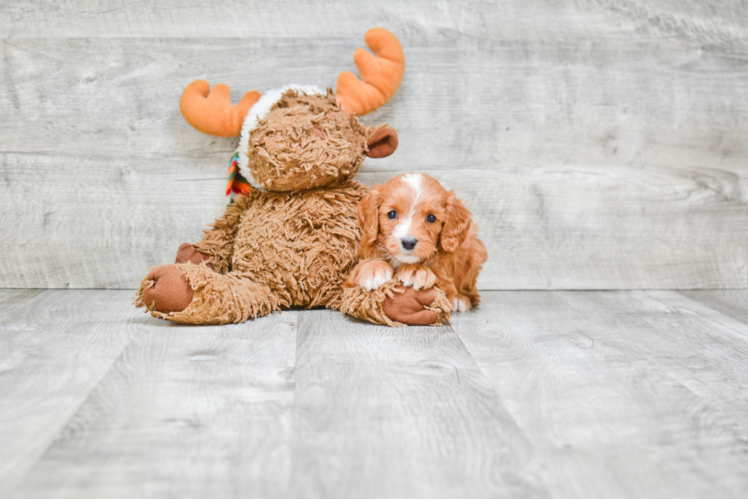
[
  {"x": 457, "y": 225},
  {"x": 368, "y": 217},
  {"x": 383, "y": 143}
]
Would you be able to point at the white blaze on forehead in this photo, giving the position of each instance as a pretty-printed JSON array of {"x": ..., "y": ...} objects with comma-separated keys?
[
  {"x": 402, "y": 229},
  {"x": 414, "y": 179}
]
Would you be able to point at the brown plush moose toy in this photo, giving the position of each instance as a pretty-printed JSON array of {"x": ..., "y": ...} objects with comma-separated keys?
[{"x": 290, "y": 237}]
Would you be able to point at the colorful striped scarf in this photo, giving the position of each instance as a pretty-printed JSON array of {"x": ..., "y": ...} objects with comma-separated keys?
[{"x": 237, "y": 184}]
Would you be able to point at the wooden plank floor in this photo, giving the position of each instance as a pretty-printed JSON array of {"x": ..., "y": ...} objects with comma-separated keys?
[{"x": 533, "y": 394}]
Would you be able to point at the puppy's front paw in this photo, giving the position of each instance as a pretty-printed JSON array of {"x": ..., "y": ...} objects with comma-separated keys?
[
  {"x": 461, "y": 304},
  {"x": 374, "y": 273},
  {"x": 418, "y": 277}
]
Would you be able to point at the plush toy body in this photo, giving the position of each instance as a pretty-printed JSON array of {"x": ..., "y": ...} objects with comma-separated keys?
[
  {"x": 297, "y": 257},
  {"x": 291, "y": 236}
]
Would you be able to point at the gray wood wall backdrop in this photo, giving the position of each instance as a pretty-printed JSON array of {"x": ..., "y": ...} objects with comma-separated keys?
[{"x": 600, "y": 144}]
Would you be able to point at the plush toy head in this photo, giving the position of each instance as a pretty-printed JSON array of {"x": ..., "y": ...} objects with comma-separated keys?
[{"x": 300, "y": 137}]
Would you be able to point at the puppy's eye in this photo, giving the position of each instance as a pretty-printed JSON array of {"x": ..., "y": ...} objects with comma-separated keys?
[
  {"x": 392, "y": 215},
  {"x": 431, "y": 218}
]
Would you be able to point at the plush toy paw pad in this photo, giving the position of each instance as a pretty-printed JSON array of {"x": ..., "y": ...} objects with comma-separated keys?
[
  {"x": 408, "y": 306},
  {"x": 169, "y": 290}
]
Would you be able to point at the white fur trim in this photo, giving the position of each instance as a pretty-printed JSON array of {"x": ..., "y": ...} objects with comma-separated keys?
[{"x": 257, "y": 112}]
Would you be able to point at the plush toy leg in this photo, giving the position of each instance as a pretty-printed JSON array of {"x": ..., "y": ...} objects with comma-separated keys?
[
  {"x": 216, "y": 298},
  {"x": 188, "y": 253},
  {"x": 394, "y": 305},
  {"x": 217, "y": 245}
]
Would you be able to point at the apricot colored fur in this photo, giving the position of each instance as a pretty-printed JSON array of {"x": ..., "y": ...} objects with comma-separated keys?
[{"x": 448, "y": 253}]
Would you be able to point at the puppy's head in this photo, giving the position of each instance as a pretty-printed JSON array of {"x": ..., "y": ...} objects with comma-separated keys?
[{"x": 412, "y": 216}]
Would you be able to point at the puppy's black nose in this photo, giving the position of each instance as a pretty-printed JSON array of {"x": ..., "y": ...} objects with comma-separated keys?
[{"x": 409, "y": 243}]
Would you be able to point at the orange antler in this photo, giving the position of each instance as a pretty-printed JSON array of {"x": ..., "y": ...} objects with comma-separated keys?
[
  {"x": 211, "y": 111},
  {"x": 381, "y": 75}
]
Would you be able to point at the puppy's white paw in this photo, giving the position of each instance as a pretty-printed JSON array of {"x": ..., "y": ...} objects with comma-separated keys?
[
  {"x": 461, "y": 304},
  {"x": 374, "y": 276},
  {"x": 418, "y": 277}
]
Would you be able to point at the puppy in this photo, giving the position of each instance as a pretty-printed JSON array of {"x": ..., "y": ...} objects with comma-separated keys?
[{"x": 415, "y": 229}]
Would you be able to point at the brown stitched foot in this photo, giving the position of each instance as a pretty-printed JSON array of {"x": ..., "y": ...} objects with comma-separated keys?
[
  {"x": 408, "y": 307},
  {"x": 188, "y": 253},
  {"x": 170, "y": 291}
]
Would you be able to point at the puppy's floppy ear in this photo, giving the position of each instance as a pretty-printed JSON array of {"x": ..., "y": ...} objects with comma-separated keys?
[
  {"x": 457, "y": 225},
  {"x": 368, "y": 216}
]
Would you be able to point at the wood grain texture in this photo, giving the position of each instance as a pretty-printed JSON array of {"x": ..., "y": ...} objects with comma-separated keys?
[
  {"x": 734, "y": 324},
  {"x": 599, "y": 144},
  {"x": 718, "y": 22},
  {"x": 55, "y": 346},
  {"x": 383, "y": 412},
  {"x": 93, "y": 233},
  {"x": 623, "y": 393},
  {"x": 552, "y": 394},
  {"x": 184, "y": 412}
]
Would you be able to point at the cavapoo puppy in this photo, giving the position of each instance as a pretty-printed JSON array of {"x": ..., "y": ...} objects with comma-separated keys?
[{"x": 415, "y": 229}]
